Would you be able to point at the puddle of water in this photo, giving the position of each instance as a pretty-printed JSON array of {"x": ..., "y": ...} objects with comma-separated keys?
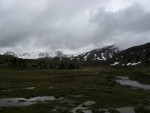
[
  {"x": 126, "y": 110},
  {"x": 12, "y": 102},
  {"x": 126, "y": 81},
  {"x": 29, "y": 88},
  {"x": 121, "y": 110}
]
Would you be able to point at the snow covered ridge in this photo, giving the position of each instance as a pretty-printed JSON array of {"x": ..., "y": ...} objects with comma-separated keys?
[
  {"x": 36, "y": 55},
  {"x": 101, "y": 54},
  {"x": 137, "y": 55},
  {"x": 96, "y": 57}
]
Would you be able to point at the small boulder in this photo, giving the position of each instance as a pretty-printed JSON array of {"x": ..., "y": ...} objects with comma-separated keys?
[{"x": 89, "y": 104}]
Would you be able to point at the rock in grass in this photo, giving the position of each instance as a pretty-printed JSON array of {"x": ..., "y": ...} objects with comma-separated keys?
[{"x": 89, "y": 104}]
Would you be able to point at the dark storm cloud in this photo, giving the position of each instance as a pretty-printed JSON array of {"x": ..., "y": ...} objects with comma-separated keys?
[
  {"x": 125, "y": 27},
  {"x": 72, "y": 24},
  {"x": 53, "y": 24}
]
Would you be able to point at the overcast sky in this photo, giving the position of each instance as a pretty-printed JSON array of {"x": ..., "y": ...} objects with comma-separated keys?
[{"x": 72, "y": 25}]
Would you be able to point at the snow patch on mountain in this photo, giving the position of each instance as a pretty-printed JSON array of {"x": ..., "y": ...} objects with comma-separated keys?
[
  {"x": 103, "y": 56},
  {"x": 99, "y": 58},
  {"x": 115, "y": 63},
  {"x": 133, "y": 64}
]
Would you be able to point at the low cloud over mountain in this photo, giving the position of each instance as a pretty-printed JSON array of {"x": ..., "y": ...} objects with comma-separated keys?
[{"x": 72, "y": 26}]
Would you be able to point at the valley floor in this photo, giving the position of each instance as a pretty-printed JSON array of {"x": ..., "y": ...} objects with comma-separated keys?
[{"x": 71, "y": 88}]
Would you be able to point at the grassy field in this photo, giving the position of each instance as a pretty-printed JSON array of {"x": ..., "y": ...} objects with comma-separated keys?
[{"x": 93, "y": 84}]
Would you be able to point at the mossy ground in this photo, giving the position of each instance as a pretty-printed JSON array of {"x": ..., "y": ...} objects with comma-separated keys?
[{"x": 92, "y": 83}]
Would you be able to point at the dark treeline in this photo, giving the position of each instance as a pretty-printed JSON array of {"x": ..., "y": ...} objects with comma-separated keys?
[{"x": 55, "y": 63}]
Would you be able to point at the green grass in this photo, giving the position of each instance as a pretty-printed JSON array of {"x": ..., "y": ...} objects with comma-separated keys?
[{"x": 93, "y": 86}]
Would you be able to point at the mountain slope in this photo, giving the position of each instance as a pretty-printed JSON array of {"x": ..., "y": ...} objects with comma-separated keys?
[
  {"x": 137, "y": 55},
  {"x": 100, "y": 55}
]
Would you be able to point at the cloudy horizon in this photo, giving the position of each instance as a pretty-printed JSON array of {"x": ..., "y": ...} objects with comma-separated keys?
[{"x": 72, "y": 26}]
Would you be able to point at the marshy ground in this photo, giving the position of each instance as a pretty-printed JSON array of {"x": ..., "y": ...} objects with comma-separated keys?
[{"x": 72, "y": 88}]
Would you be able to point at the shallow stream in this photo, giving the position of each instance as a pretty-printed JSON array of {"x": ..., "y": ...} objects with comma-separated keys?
[{"x": 123, "y": 80}]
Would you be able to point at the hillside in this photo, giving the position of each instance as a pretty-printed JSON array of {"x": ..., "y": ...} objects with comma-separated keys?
[
  {"x": 97, "y": 55},
  {"x": 137, "y": 55}
]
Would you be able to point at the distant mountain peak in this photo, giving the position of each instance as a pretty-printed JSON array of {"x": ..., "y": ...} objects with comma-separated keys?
[{"x": 101, "y": 54}]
